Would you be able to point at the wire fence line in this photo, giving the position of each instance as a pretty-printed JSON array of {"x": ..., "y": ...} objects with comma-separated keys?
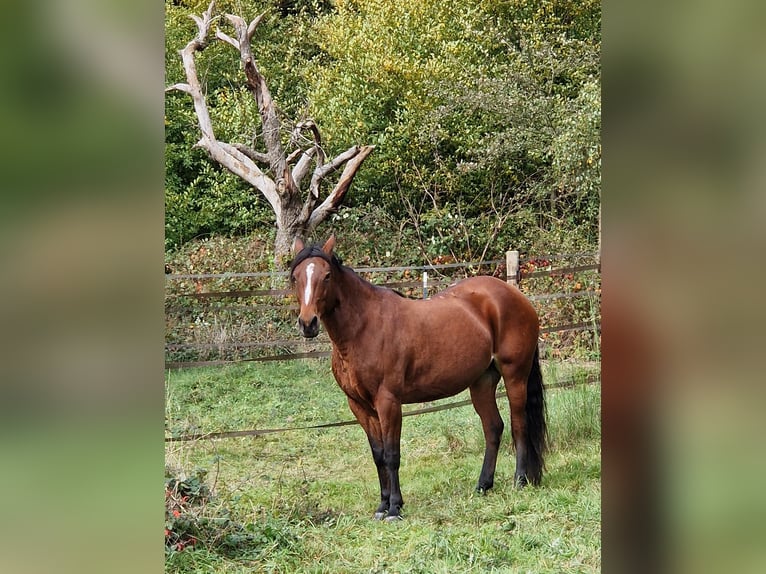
[
  {"x": 429, "y": 267},
  {"x": 565, "y": 384}
]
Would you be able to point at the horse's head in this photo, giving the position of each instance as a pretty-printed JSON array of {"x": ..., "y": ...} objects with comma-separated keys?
[{"x": 311, "y": 279}]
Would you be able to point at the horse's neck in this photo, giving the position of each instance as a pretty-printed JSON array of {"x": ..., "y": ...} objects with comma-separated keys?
[{"x": 348, "y": 319}]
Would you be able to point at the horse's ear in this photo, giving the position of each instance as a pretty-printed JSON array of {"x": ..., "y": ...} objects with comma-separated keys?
[
  {"x": 298, "y": 245},
  {"x": 329, "y": 245}
]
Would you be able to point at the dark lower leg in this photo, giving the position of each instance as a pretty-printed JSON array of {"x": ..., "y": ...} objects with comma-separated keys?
[
  {"x": 372, "y": 428},
  {"x": 395, "y": 501},
  {"x": 385, "y": 490},
  {"x": 389, "y": 411},
  {"x": 485, "y": 405},
  {"x": 492, "y": 437},
  {"x": 520, "y": 476},
  {"x": 517, "y": 396}
]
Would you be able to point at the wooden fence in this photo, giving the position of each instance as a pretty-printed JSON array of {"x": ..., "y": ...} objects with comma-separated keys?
[{"x": 224, "y": 318}]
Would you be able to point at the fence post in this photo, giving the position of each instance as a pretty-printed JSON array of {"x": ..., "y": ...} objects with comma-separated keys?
[
  {"x": 512, "y": 267},
  {"x": 425, "y": 284}
]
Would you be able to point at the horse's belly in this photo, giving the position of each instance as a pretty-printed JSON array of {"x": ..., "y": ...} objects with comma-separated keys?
[{"x": 446, "y": 370}]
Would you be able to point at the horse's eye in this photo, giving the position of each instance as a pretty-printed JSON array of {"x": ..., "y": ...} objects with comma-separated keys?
[{"x": 327, "y": 277}]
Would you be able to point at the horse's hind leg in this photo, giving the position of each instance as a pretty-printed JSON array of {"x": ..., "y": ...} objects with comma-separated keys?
[
  {"x": 516, "y": 388},
  {"x": 485, "y": 404},
  {"x": 524, "y": 386}
]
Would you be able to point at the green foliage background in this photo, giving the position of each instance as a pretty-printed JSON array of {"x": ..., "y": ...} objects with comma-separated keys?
[{"x": 485, "y": 115}]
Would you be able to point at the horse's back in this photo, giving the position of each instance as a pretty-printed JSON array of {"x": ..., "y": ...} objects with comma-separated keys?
[
  {"x": 510, "y": 315},
  {"x": 489, "y": 294}
]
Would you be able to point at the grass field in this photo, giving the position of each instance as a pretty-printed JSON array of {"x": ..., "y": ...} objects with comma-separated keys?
[{"x": 302, "y": 501}]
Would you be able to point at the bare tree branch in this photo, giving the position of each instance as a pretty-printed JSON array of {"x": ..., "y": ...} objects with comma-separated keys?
[
  {"x": 302, "y": 167},
  {"x": 203, "y": 24},
  {"x": 306, "y": 125},
  {"x": 253, "y": 25},
  {"x": 258, "y": 156},
  {"x": 256, "y": 83},
  {"x": 180, "y": 87},
  {"x": 239, "y": 164},
  {"x": 294, "y": 217},
  {"x": 228, "y": 39},
  {"x": 310, "y": 125},
  {"x": 239, "y": 25},
  {"x": 232, "y": 159},
  {"x": 335, "y": 198},
  {"x": 322, "y": 171},
  {"x": 293, "y": 155}
]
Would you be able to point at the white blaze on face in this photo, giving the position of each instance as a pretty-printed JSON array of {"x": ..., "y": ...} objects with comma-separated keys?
[{"x": 307, "y": 290}]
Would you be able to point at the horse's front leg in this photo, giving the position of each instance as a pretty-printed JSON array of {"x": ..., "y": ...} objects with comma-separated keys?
[
  {"x": 389, "y": 411},
  {"x": 371, "y": 425}
]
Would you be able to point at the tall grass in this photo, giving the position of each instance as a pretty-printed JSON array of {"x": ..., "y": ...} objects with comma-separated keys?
[
  {"x": 302, "y": 501},
  {"x": 575, "y": 414}
]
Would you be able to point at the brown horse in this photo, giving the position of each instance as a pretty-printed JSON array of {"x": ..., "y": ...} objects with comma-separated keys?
[{"x": 389, "y": 350}]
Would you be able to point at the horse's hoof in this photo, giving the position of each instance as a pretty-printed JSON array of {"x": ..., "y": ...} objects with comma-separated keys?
[
  {"x": 379, "y": 515},
  {"x": 395, "y": 518}
]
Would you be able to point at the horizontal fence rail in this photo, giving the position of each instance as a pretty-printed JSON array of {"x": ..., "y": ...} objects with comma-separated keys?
[
  {"x": 430, "y": 267},
  {"x": 413, "y": 284},
  {"x": 561, "y": 271},
  {"x": 287, "y": 292}
]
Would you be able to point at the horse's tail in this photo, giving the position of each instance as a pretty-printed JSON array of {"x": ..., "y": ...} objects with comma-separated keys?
[{"x": 537, "y": 431}]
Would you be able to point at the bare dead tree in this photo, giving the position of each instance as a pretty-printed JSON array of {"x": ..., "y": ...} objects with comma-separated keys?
[{"x": 282, "y": 175}]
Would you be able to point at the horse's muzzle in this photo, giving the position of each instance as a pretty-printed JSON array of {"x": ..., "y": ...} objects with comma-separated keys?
[{"x": 310, "y": 329}]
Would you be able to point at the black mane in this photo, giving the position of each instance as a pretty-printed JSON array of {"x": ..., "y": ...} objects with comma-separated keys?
[{"x": 314, "y": 250}]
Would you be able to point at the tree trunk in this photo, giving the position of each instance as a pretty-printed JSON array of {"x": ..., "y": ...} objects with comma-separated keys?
[
  {"x": 283, "y": 247},
  {"x": 290, "y": 226}
]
